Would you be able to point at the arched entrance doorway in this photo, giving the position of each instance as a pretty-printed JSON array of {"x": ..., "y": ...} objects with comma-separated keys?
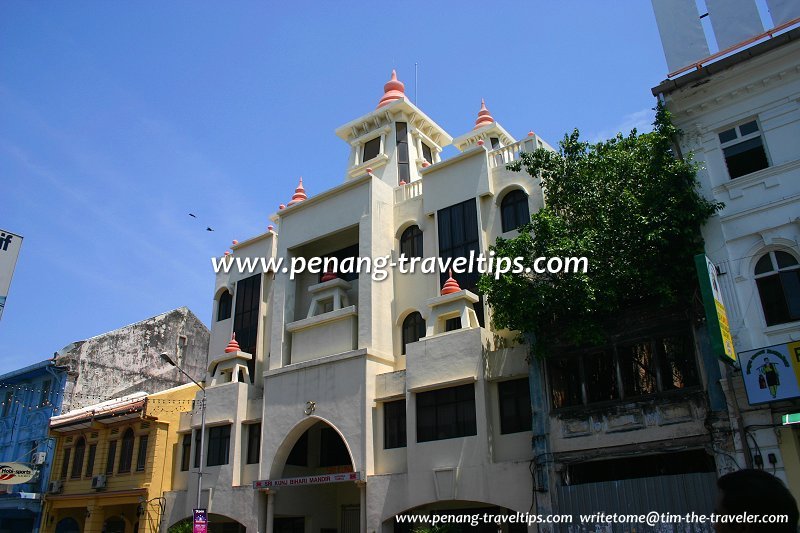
[
  {"x": 114, "y": 524},
  {"x": 317, "y": 503},
  {"x": 68, "y": 525}
]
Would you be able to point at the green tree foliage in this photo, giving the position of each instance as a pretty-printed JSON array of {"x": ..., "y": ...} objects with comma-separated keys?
[
  {"x": 184, "y": 526},
  {"x": 629, "y": 206}
]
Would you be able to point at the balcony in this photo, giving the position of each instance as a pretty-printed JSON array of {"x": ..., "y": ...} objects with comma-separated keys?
[{"x": 505, "y": 155}]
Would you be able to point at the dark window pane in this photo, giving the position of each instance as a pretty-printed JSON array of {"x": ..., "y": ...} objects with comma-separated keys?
[
  {"x": 413, "y": 329},
  {"x": 401, "y": 129},
  {"x": 411, "y": 242},
  {"x": 253, "y": 443},
  {"x": 126, "y": 451},
  {"x": 90, "y": 460},
  {"x": 186, "y": 451},
  {"x": 515, "y": 406},
  {"x": 784, "y": 260},
  {"x": 245, "y": 317},
  {"x": 44, "y": 397},
  {"x": 427, "y": 154},
  {"x": 770, "y": 289},
  {"x": 458, "y": 236},
  {"x": 65, "y": 463},
  {"x": 750, "y": 127},
  {"x": 333, "y": 451},
  {"x": 452, "y": 324},
  {"x": 224, "y": 306},
  {"x": 791, "y": 290},
  {"x": 112, "y": 452},
  {"x": 678, "y": 368},
  {"x": 340, "y": 255},
  {"x": 745, "y": 157},
  {"x": 565, "y": 382},
  {"x": 141, "y": 456},
  {"x": 197, "y": 451},
  {"x": 77, "y": 462},
  {"x": 446, "y": 413},
  {"x": 371, "y": 149},
  {"x": 514, "y": 210},
  {"x": 394, "y": 424},
  {"x": 495, "y": 142},
  {"x": 637, "y": 366},
  {"x": 601, "y": 377},
  {"x": 727, "y": 135},
  {"x": 219, "y": 442},
  {"x": 764, "y": 265}
]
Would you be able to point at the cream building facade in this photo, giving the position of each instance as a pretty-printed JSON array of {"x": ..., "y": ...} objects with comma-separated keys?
[{"x": 397, "y": 386}]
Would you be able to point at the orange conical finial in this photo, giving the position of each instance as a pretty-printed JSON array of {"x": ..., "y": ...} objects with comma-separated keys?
[
  {"x": 328, "y": 275},
  {"x": 451, "y": 285},
  {"x": 299, "y": 194},
  {"x": 232, "y": 346},
  {"x": 484, "y": 117},
  {"x": 393, "y": 90}
]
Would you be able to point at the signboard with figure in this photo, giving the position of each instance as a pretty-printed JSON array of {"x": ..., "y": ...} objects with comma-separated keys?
[
  {"x": 199, "y": 521},
  {"x": 15, "y": 473},
  {"x": 771, "y": 374}
]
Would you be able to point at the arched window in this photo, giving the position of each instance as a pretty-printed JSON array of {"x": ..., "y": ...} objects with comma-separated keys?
[
  {"x": 413, "y": 329},
  {"x": 126, "y": 453},
  {"x": 514, "y": 210},
  {"x": 411, "y": 242},
  {"x": 778, "y": 280},
  {"x": 224, "y": 306},
  {"x": 77, "y": 462}
]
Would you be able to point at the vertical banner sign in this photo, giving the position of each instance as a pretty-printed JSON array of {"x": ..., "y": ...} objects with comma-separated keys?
[
  {"x": 200, "y": 521},
  {"x": 718, "y": 330},
  {"x": 9, "y": 251}
]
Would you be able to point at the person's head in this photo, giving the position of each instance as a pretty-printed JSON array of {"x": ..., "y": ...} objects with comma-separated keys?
[{"x": 755, "y": 492}]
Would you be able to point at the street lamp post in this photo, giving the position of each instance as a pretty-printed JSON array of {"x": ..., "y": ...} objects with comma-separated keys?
[{"x": 167, "y": 359}]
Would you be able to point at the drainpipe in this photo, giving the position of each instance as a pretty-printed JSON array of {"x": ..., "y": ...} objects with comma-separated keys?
[{"x": 540, "y": 425}]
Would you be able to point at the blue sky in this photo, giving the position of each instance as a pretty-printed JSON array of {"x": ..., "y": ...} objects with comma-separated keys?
[{"x": 117, "y": 119}]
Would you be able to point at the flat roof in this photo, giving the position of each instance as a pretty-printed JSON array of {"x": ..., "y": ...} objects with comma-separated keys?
[{"x": 668, "y": 86}]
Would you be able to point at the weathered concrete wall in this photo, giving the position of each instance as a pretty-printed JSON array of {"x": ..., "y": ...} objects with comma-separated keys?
[{"x": 128, "y": 359}]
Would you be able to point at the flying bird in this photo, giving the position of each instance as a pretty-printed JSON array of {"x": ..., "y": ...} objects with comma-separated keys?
[
  {"x": 209, "y": 229},
  {"x": 192, "y": 215}
]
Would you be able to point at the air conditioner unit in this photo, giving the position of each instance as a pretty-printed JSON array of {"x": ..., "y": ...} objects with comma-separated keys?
[
  {"x": 99, "y": 482},
  {"x": 56, "y": 487},
  {"x": 39, "y": 458}
]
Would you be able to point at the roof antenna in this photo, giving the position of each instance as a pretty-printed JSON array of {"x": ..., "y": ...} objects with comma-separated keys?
[{"x": 416, "y": 65}]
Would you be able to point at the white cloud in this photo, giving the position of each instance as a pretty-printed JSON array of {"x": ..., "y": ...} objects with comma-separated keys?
[{"x": 642, "y": 120}]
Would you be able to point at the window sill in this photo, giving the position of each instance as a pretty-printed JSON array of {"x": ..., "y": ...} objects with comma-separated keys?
[
  {"x": 665, "y": 397},
  {"x": 768, "y": 176},
  {"x": 786, "y": 327},
  {"x": 374, "y": 163}
]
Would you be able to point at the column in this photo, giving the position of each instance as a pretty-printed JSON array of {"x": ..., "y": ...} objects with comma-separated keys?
[
  {"x": 268, "y": 528},
  {"x": 362, "y": 487}
]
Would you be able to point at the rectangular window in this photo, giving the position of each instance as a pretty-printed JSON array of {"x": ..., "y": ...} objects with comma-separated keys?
[
  {"x": 565, "y": 382},
  {"x": 427, "y": 153},
  {"x": 141, "y": 456},
  {"x": 446, "y": 413},
  {"x": 495, "y": 142},
  {"x": 394, "y": 424},
  {"x": 660, "y": 363},
  {"x": 253, "y": 443},
  {"x": 197, "y": 448},
  {"x": 219, "y": 445},
  {"x": 452, "y": 324},
  {"x": 401, "y": 131},
  {"x": 515, "y": 406},
  {"x": 743, "y": 149},
  {"x": 458, "y": 236},
  {"x": 90, "y": 460},
  {"x": 371, "y": 149},
  {"x": 186, "y": 451},
  {"x": 112, "y": 453},
  {"x": 65, "y": 463},
  {"x": 245, "y": 317},
  {"x": 44, "y": 397},
  {"x": 601, "y": 377},
  {"x": 637, "y": 364}
]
